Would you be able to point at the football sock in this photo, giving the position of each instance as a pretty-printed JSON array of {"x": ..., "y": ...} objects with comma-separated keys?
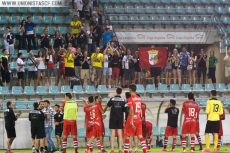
[
  {"x": 215, "y": 141},
  {"x": 102, "y": 148},
  {"x": 165, "y": 142},
  {"x": 219, "y": 141},
  {"x": 87, "y": 146},
  {"x": 130, "y": 149},
  {"x": 143, "y": 144},
  {"x": 91, "y": 147},
  {"x": 199, "y": 140},
  {"x": 184, "y": 143},
  {"x": 32, "y": 146},
  {"x": 148, "y": 141},
  {"x": 174, "y": 143},
  {"x": 46, "y": 147},
  {"x": 126, "y": 147},
  {"x": 207, "y": 141},
  {"x": 64, "y": 144},
  {"x": 98, "y": 144},
  {"x": 192, "y": 142},
  {"x": 41, "y": 149},
  {"x": 136, "y": 149},
  {"x": 75, "y": 143},
  {"x": 37, "y": 150}
]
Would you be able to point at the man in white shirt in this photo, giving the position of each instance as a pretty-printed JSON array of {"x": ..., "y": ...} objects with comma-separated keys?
[
  {"x": 32, "y": 69},
  {"x": 107, "y": 66},
  {"x": 20, "y": 69},
  {"x": 227, "y": 66},
  {"x": 9, "y": 41}
]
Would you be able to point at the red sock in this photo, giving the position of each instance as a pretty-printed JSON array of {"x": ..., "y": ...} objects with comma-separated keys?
[
  {"x": 184, "y": 143},
  {"x": 126, "y": 147},
  {"x": 219, "y": 141},
  {"x": 75, "y": 143},
  {"x": 64, "y": 144},
  {"x": 174, "y": 143},
  {"x": 199, "y": 140},
  {"x": 87, "y": 146},
  {"x": 98, "y": 144},
  {"x": 192, "y": 142},
  {"x": 91, "y": 147},
  {"x": 165, "y": 142},
  {"x": 143, "y": 144},
  {"x": 102, "y": 149},
  {"x": 148, "y": 143}
]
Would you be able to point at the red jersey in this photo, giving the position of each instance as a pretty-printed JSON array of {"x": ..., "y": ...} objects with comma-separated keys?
[
  {"x": 148, "y": 123},
  {"x": 197, "y": 113},
  {"x": 143, "y": 109},
  {"x": 61, "y": 61},
  {"x": 50, "y": 62},
  {"x": 98, "y": 114},
  {"x": 68, "y": 121},
  {"x": 135, "y": 102},
  {"x": 190, "y": 109}
]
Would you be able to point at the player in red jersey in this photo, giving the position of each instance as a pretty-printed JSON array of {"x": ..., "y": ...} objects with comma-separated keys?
[
  {"x": 144, "y": 129},
  {"x": 149, "y": 127},
  {"x": 133, "y": 125},
  {"x": 198, "y": 129},
  {"x": 190, "y": 109}
]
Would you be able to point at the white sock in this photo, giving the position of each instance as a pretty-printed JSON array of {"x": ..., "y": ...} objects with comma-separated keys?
[
  {"x": 130, "y": 149},
  {"x": 136, "y": 149}
]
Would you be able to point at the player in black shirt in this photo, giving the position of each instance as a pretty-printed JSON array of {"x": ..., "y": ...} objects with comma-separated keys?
[
  {"x": 171, "y": 129},
  {"x": 58, "y": 120}
]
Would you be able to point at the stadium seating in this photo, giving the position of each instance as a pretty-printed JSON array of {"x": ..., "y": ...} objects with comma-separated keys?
[
  {"x": 23, "y": 18},
  {"x": 195, "y": 20},
  {"x": 13, "y": 66},
  {"x": 170, "y": 10},
  {"x": 43, "y": 10},
  {"x": 10, "y": 10},
  {"x": 154, "y": 20},
  {"x": 174, "y": 88},
  {"x": 81, "y": 132},
  {"x": 90, "y": 89},
  {"x": 65, "y": 89},
  {"x": 41, "y": 90},
  {"x": 155, "y": 1},
  {"x": 62, "y": 30},
  {"x": 140, "y": 88},
  {"x": 160, "y": 10},
  {"x": 226, "y": 20},
  {"x": 30, "y": 105},
  {"x": 200, "y": 10},
  {"x": 123, "y": 20},
  {"x": 64, "y": 10},
  {"x": 190, "y": 9},
  {"x": 179, "y": 131},
  {"x": 107, "y": 132},
  {"x": 150, "y": 88},
  {"x": 139, "y": 9},
  {"x": 26, "y": 66},
  {"x": 205, "y": 1},
  {"x": 209, "y": 87},
  {"x": 24, "y": 53},
  {"x": 209, "y": 9},
  {"x": 20, "y": 105},
  {"x": 109, "y": 9},
  {"x": 133, "y": 20},
  {"x": 215, "y": 1},
  {"x": 57, "y": 20},
  {"x": 144, "y": 20},
  {"x": 124, "y": 1},
  {"x": 67, "y": 19},
  {"x": 16, "y": 90},
  {"x": 162, "y": 131},
  {"x": 53, "y": 90},
  {"x": 164, "y": 20},
  {"x": 21, "y": 10},
  {"x": 220, "y": 10},
  {"x": 186, "y": 88},
  {"x": 2, "y": 9},
  {"x": 39, "y": 30},
  {"x": 3, "y": 20},
  {"x": 221, "y": 31},
  {"x": 221, "y": 88},
  {"x": 29, "y": 90},
  {"x": 50, "y": 30},
  {"x": 32, "y": 10},
  {"x": 102, "y": 89},
  {"x": 226, "y": 101},
  {"x": 36, "y": 20},
  {"x": 134, "y": 1},
  {"x": 155, "y": 131},
  {"x": 163, "y": 88},
  {"x": 119, "y": 9},
  {"x": 197, "y": 88},
  {"x": 203, "y": 102},
  {"x": 15, "y": 30},
  {"x": 77, "y": 89},
  {"x": 129, "y": 10},
  {"x": 206, "y": 20},
  {"x": 51, "y": 42},
  {"x": 145, "y": 1},
  {"x": 54, "y": 10},
  {"x": 149, "y": 10},
  {"x": 46, "y": 20},
  {"x": 4, "y": 90}
]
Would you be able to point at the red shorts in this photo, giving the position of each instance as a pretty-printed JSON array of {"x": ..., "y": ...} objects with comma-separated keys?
[
  {"x": 69, "y": 128},
  {"x": 149, "y": 129},
  {"x": 197, "y": 127},
  {"x": 171, "y": 131},
  {"x": 189, "y": 127},
  {"x": 97, "y": 129},
  {"x": 115, "y": 72},
  {"x": 61, "y": 71},
  {"x": 102, "y": 131},
  {"x": 133, "y": 132},
  {"x": 89, "y": 131},
  {"x": 144, "y": 128}
]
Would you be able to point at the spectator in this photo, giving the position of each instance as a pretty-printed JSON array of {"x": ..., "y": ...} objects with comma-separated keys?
[
  {"x": 41, "y": 69},
  {"x": 184, "y": 61},
  {"x": 98, "y": 14},
  {"x": 92, "y": 40},
  {"x": 116, "y": 67},
  {"x": 22, "y": 34},
  {"x": 96, "y": 27},
  {"x": 85, "y": 63},
  {"x": 143, "y": 76},
  {"x": 79, "y": 8},
  {"x": 137, "y": 68},
  {"x": 51, "y": 68},
  {"x": 212, "y": 67},
  {"x": 81, "y": 38},
  {"x": 106, "y": 36},
  {"x": 202, "y": 59},
  {"x": 44, "y": 39},
  {"x": 20, "y": 69},
  {"x": 70, "y": 38},
  {"x": 107, "y": 66},
  {"x": 75, "y": 25},
  {"x": 227, "y": 66},
  {"x": 87, "y": 14},
  {"x": 116, "y": 43},
  {"x": 155, "y": 73},
  {"x": 32, "y": 69},
  {"x": 176, "y": 60},
  {"x": 73, "y": 50},
  {"x": 168, "y": 69},
  {"x": 96, "y": 59},
  {"x": 77, "y": 62},
  {"x": 192, "y": 73},
  {"x": 69, "y": 65},
  {"x": 9, "y": 41},
  {"x": 30, "y": 33},
  {"x": 122, "y": 52},
  {"x": 61, "y": 70},
  {"x": 107, "y": 25},
  {"x": 57, "y": 44},
  {"x": 128, "y": 66},
  {"x": 5, "y": 68}
]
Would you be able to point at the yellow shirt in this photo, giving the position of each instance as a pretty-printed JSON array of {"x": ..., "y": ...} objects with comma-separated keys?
[
  {"x": 69, "y": 61},
  {"x": 78, "y": 25},
  {"x": 98, "y": 61},
  {"x": 214, "y": 109}
]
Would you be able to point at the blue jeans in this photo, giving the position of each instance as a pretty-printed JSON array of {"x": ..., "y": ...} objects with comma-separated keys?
[
  {"x": 49, "y": 139},
  {"x": 29, "y": 39},
  {"x": 91, "y": 48}
]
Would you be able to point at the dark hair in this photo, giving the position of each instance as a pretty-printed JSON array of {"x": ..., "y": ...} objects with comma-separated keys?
[
  {"x": 19, "y": 54},
  {"x": 133, "y": 87},
  {"x": 47, "y": 101},
  {"x": 57, "y": 105},
  {"x": 3, "y": 50},
  {"x": 96, "y": 97},
  {"x": 190, "y": 95},
  {"x": 90, "y": 99},
  {"x": 8, "y": 103},
  {"x": 213, "y": 92},
  {"x": 173, "y": 102},
  {"x": 36, "y": 105},
  {"x": 183, "y": 47},
  {"x": 96, "y": 6},
  {"x": 68, "y": 95},
  {"x": 56, "y": 32},
  {"x": 44, "y": 29},
  {"x": 213, "y": 52},
  {"x": 119, "y": 90},
  {"x": 107, "y": 29},
  {"x": 127, "y": 95},
  {"x": 28, "y": 17},
  {"x": 39, "y": 52},
  {"x": 41, "y": 102},
  {"x": 75, "y": 15},
  {"x": 108, "y": 20},
  {"x": 138, "y": 95},
  {"x": 168, "y": 54},
  {"x": 22, "y": 23},
  {"x": 7, "y": 27}
]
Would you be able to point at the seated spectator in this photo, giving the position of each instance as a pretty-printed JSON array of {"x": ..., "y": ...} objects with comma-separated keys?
[
  {"x": 57, "y": 38},
  {"x": 75, "y": 25},
  {"x": 227, "y": 66},
  {"x": 128, "y": 66},
  {"x": 106, "y": 36},
  {"x": 96, "y": 60},
  {"x": 192, "y": 73},
  {"x": 87, "y": 14},
  {"x": 137, "y": 68},
  {"x": 212, "y": 67},
  {"x": 20, "y": 69},
  {"x": 115, "y": 42},
  {"x": 107, "y": 66},
  {"x": 116, "y": 67},
  {"x": 107, "y": 25},
  {"x": 77, "y": 62},
  {"x": 98, "y": 14},
  {"x": 32, "y": 69},
  {"x": 70, "y": 38},
  {"x": 44, "y": 39},
  {"x": 96, "y": 27},
  {"x": 5, "y": 68},
  {"x": 92, "y": 40},
  {"x": 9, "y": 41},
  {"x": 51, "y": 68},
  {"x": 85, "y": 63},
  {"x": 176, "y": 60},
  {"x": 168, "y": 69},
  {"x": 69, "y": 65},
  {"x": 184, "y": 61},
  {"x": 81, "y": 38},
  {"x": 41, "y": 68},
  {"x": 22, "y": 34},
  {"x": 61, "y": 70}
]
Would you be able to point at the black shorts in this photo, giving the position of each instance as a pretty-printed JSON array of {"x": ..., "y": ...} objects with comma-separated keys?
[
  {"x": 137, "y": 69},
  {"x": 20, "y": 75},
  {"x": 129, "y": 74},
  {"x": 121, "y": 74},
  {"x": 43, "y": 132},
  {"x": 155, "y": 72},
  {"x": 81, "y": 14},
  {"x": 69, "y": 72},
  {"x": 11, "y": 133},
  {"x": 58, "y": 130},
  {"x": 36, "y": 132},
  {"x": 212, "y": 127},
  {"x": 116, "y": 123}
]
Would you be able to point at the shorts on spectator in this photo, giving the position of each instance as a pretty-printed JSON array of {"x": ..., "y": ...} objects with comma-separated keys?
[
  {"x": 77, "y": 71},
  {"x": 97, "y": 71},
  {"x": 61, "y": 72},
  {"x": 184, "y": 71},
  {"x": 81, "y": 14},
  {"x": 202, "y": 70},
  {"x": 227, "y": 71},
  {"x": 85, "y": 73},
  {"x": 155, "y": 72},
  {"x": 51, "y": 70},
  {"x": 169, "y": 70},
  {"x": 121, "y": 74},
  {"x": 143, "y": 74},
  {"x": 10, "y": 49},
  {"x": 115, "y": 72},
  {"x": 33, "y": 74},
  {"x": 20, "y": 75},
  {"x": 107, "y": 70},
  {"x": 41, "y": 70},
  {"x": 129, "y": 74},
  {"x": 69, "y": 72}
]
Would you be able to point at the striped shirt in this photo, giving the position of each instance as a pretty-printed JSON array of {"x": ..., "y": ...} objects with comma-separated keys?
[{"x": 49, "y": 122}]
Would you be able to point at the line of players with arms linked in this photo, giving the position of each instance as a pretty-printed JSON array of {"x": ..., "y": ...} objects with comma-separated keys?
[{"x": 133, "y": 123}]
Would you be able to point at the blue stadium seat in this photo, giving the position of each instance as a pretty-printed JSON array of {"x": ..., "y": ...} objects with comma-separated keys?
[
  {"x": 228, "y": 9},
  {"x": 190, "y": 10},
  {"x": 145, "y": 1},
  {"x": 209, "y": 87},
  {"x": 113, "y": 19},
  {"x": 123, "y": 20},
  {"x": 102, "y": 89},
  {"x": 226, "y": 101},
  {"x": 185, "y": 20},
  {"x": 2, "y": 10},
  {"x": 4, "y": 106},
  {"x": 155, "y": 1},
  {"x": 160, "y": 10},
  {"x": 62, "y": 30},
  {"x": 109, "y": 9},
  {"x": 3, "y": 30},
  {"x": 140, "y": 88},
  {"x": 113, "y": 1},
  {"x": 149, "y": 10},
  {"x": 165, "y": 1},
  {"x": 14, "y": 55},
  {"x": 224, "y": 1},
  {"x": 57, "y": 20},
  {"x": 129, "y": 9},
  {"x": 67, "y": 19},
  {"x": 4, "y": 90},
  {"x": 162, "y": 131},
  {"x": 90, "y": 89},
  {"x": 51, "y": 42},
  {"x": 206, "y": 20},
  {"x": 13, "y": 20},
  {"x": 216, "y": 20},
  {"x": 179, "y": 131},
  {"x": 21, "y": 10},
  {"x": 144, "y": 20},
  {"x": 180, "y": 10},
  {"x": 200, "y": 10},
  {"x": 64, "y": 10},
  {"x": 65, "y": 89},
  {"x": 46, "y": 20},
  {"x": 139, "y": 10},
  {"x": 54, "y": 10},
  {"x": 195, "y": 1},
  {"x": 10, "y": 10},
  {"x": 20, "y": 105},
  {"x": 35, "y": 52},
  {"x": 175, "y": 1},
  {"x": 39, "y": 30},
  {"x": 32, "y": 10},
  {"x": 195, "y": 20},
  {"x": 50, "y": 30},
  {"x": 164, "y": 20},
  {"x": 36, "y": 20},
  {"x": 124, "y": 1},
  {"x": 174, "y": 88},
  {"x": 43, "y": 10},
  {"x": 81, "y": 132},
  {"x": 186, "y": 88},
  {"x": 57, "y": 65},
  {"x": 119, "y": 9},
  {"x": 162, "y": 88},
  {"x": 53, "y": 90},
  {"x": 23, "y": 18},
  {"x": 30, "y": 105},
  {"x": 13, "y": 66},
  {"x": 209, "y": 9},
  {"x": 221, "y": 88},
  {"x": 170, "y": 10},
  {"x": 1, "y": 45},
  {"x": 155, "y": 131},
  {"x": 39, "y": 42},
  {"x": 215, "y": 1},
  {"x": 107, "y": 133},
  {"x": 133, "y": 20},
  {"x": 104, "y": 1},
  {"x": 29, "y": 90},
  {"x": 154, "y": 20},
  {"x": 24, "y": 53},
  {"x": 26, "y": 65},
  {"x": 16, "y": 90},
  {"x": 77, "y": 89},
  {"x": 221, "y": 31},
  {"x": 185, "y": 1},
  {"x": 229, "y": 30},
  {"x": 15, "y": 30},
  {"x": 205, "y": 1},
  {"x": 220, "y": 10},
  {"x": 203, "y": 102},
  {"x": 226, "y": 20},
  {"x": 134, "y": 1},
  {"x": 227, "y": 42},
  {"x": 41, "y": 90},
  {"x": 197, "y": 88}
]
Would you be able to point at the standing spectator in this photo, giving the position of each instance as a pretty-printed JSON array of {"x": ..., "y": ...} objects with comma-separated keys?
[
  {"x": 98, "y": 15},
  {"x": 122, "y": 52},
  {"x": 20, "y": 69},
  {"x": 96, "y": 59},
  {"x": 41, "y": 69},
  {"x": 92, "y": 40},
  {"x": 212, "y": 67},
  {"x": 107, "y": 25},
  {"x": 176, "y": 59},
  {"x": 57, "y": 44},
  {"x": 44, "y": 39},
  {"x": 9, "y": 41},
  {"x": 81, "y": 38},
  {"x": 32, "y": 69},
  {"x": 116, "y": 67},
  {"x": 96, "y": 27},
  {"x": 70, "y": 38},
  {"x": 77, "y": 62},
  {"x": 184, "y": 61},
  {"x": 73, "y": 50},
  {"x": 202, "y": 59},
  {"x": 5, "y": 68},
  {"x": 107, "y": 66},
  {"x": 87, "y": 14},
  {"x": 51, "y": 68},
  {"x": 168, "y": 69},
  {"x": 106, "y": 36},
  {"x": 79, "y": 8},
  {"x": 137, "y": 68},
  {"x": 143, "y": 76},
  {"x": 155, "y": 73},
  {"x": 192, "y": 73},
  {"x": 75, "y": 25},
  {"x": 227, "y": 66},
  {"x": 69, "y": 65},
  {"x": 22, "y": 34},
  {"x": 85, "y": 63},
  {"x": 30, "y": 33},
  {"x": 61, "y": 70},
  {"x": 128, "y": 66},
  {"x": 58, "y": 120},
  {"x": 116, "y": 43}
]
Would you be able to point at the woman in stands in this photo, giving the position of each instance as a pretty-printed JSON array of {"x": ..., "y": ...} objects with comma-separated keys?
[
  {"x": 41, "y": 69},
  {"x": 176, "y": 60},
  {"x": 137, "y": 68},
  {"x": 22, "y": 33},
  {"x": 168, "y": 69},
  {"x": 70, "y": 38},
  {"x": 192, "y": 62},
  {"x": 212, "y": 67}
]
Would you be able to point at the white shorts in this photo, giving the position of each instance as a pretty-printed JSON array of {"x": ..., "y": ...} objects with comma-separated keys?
[
  {"x": 10, "y": 49},
  {"x": 227, "y": 71}
]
